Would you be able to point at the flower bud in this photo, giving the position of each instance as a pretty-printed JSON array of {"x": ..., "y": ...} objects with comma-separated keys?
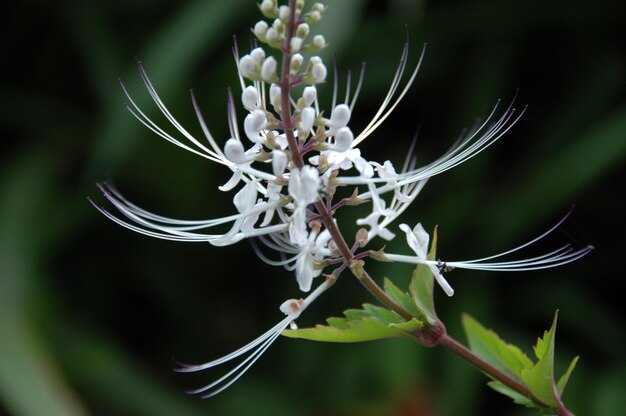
[
  {"x": 250, "y": 98},
  {"x": 343, "y": 139},
  {"x": 275, "y": 96},
  {"x": 234, "y": 151},
  {"x": 307, "y": 118},
  {"x": 318, "y": 42},
  {"x": 247, "y": 67},
  {"x": 268, "y": 8},
  {"x": 296, "y": 63},
  {"x": 295, "y": 44},
  {"x": 361, "y": 237},
  {"x": 309, "y": 94},
  {"x": 319, "y": 73},
  {"x": 258, "y": 55},
  {"x": 271, "y": 35},
  {"x": 313, "y": 17},
  {"x": 279, "y": 162},
  {"x": 302, "y": 31},
  {"x": 268, "y": 70},
  {"x": 260, "y": 29},
  {"x": 318, "y": 7},
  {"x": 283, "y": 13}
]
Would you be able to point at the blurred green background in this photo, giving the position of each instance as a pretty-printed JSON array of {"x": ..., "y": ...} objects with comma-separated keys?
[{"x": 92, "y": 316}]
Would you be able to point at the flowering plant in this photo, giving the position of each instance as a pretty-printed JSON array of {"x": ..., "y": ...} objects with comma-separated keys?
[{"x": 294, "y": 165}]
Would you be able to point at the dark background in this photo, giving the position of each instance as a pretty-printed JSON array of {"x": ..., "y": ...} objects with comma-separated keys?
[{"x": 92, "y": 316}]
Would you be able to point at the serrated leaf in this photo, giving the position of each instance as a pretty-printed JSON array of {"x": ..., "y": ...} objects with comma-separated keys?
[
  {"x": 402, "y": 298},
  {"x": 422, "y": 284},
  {"x": 490, "y": 347},
  {"x": 540, "y": 378},
  {"x": 507, "y": 391},
  {"x": 565, "y": 377},
  {"x": 408, "y": 326},
  {"x": 359, "y": 325}
]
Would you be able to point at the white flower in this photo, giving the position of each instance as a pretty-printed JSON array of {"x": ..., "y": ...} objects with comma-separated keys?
[
  {"x": 304, "y": 186},
  {"x": 254, "y": 124},
  {"x": 418, "y": 240}
]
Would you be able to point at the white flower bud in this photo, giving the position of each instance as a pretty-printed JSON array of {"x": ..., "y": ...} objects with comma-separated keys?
[
  {"x": 268, "y": 8},
  {"x": 319, "y": 73},
  {"x": 319, "y": 42},
  {"x": 253, "y": 124},
  {"x": 234, "y": 151},
  {"x": 302, "y": 31},
  {"x": 315, "y": 60},
  {"x": 258, "y": 55},
  {"x": 339, "y": 118},
  {"x": 260, "y": 29},
  {"x": 247, "y": 67},
  {"x": 343, "y": 139},
  {"x": 307, "y": 118},
  {"x": 279, "y": 162},
  {"x": 268, "y": 70},
  {"x": 309, "y": 94},
  {"x": 275, "y": 95},
  {"x": 283, "y": 13},
  {"x": 271, "y": 35},
  {"x": 250, "y": 98},
  {"x": 296, "y": 63},
  {"x": 314, "y": 16},
  {"x": 318, "y": 7},
  {"x": 295, "y": 44}
]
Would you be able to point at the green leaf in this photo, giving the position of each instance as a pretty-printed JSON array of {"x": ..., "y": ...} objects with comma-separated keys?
[
  {"x": 491, "y": 348},
  {"x": 507, "y": 391},
  {"x": 359, "y": 325},
  {"x": 540, "y": 378},
  {"x": 421, "y": 286},
  {"x": 565, "y": 377},
  {"x": 402, "y": 298}
]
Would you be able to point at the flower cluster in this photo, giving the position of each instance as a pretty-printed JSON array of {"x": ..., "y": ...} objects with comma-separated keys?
[{"x": 291, "y": 162}]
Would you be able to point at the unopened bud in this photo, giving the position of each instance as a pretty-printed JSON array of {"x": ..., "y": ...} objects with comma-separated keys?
[
  {"x": 258, "y": 55},
  {"x": 313, "y": 17},
  {"x": 361, "y": 237},
  {"x": 268, "y": 70},
  {"x": 302, "y": 31},
  {"x": 318, "y": 7},
  {"x": 296, "y": 63},
  {"x": 307, "y": 118},
  {"x": 260, "y": 29},
  {"x": 275, "y": 96},
  {"x": 309, "y": 95},
  {"x": 271, "y": 35},
  {"x": 319, "y": 73},
  {"x": 318, "y": 42},
  {"x": 247, "y": 66},
  {"x": 295, "y": 44},
  {"x": 268, "y": 8},
  {"x": 250, "y": 98},
  {"x": 283, "y": 13},
  {"x": 279, "y": 162}
]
